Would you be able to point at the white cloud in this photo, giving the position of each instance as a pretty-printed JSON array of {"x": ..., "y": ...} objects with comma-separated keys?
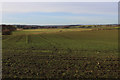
[
  {"x": 59, "y": 0},
  {"x": 0, "y": 13},
  {"x": 71, "y": 7},
  {"x": 28, "y": 12}
]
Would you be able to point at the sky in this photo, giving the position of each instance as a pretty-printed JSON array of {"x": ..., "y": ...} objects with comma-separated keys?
[{"x": 60, "y": 13}]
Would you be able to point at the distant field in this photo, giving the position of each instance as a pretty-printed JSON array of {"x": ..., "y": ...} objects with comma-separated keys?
[
  {"x": 61, "y": 53},
  {"x": 38, "y": 31}
]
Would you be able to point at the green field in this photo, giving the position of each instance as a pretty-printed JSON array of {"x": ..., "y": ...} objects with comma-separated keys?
[{"x": 60, "y": 53}]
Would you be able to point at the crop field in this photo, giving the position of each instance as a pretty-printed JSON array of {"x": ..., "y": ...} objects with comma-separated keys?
[{"x": 60, "y": 53}]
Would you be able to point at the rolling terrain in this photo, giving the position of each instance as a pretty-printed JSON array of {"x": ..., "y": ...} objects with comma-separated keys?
[{"x": 60, "y": 53}]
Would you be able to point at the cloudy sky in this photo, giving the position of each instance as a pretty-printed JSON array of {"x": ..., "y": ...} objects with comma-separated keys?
[{"x": 45, "y": 13}]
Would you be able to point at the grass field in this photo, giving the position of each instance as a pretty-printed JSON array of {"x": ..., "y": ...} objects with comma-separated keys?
[{"x": 61, "y": 53}]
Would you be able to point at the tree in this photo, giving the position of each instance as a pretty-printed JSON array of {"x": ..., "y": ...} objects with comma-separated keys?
[{"x": 7, "y": 29}]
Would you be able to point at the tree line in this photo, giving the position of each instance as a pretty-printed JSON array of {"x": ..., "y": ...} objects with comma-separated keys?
[{"x": 7, "y": 29}]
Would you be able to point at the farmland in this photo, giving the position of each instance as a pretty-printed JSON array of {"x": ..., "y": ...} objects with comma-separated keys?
[{"x": 60, "y": 53}]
